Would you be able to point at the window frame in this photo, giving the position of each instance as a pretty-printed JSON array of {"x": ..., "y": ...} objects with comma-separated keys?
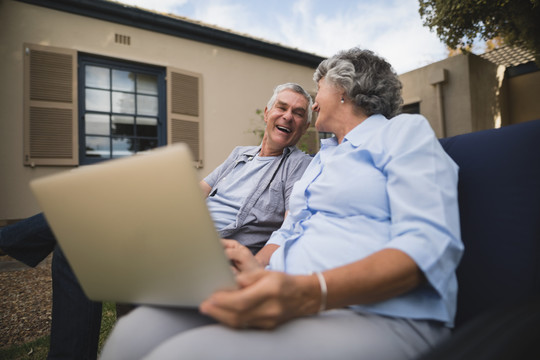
[
  {"x": 411, "y": 108},
  {"x": 124, "y": 65}
]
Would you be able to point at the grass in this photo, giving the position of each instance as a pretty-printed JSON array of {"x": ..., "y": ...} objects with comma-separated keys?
[{"x": 38, "y": 349}]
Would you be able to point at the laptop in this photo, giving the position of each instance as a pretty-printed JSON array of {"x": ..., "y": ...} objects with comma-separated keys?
[{"x": 137, "y": 229}]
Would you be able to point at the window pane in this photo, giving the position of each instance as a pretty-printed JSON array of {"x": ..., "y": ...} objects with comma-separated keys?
[
  {"x": 122, "y": 108},
  {"x": 97, "y": 124},
  {"x": 123, "y": 125},
  {"x": 123, "y": 103},
  {"x": 97, "y": 100},
  {"x": 147, "y": 105},
  {"x": 147, "y": 84},
  {"x": 147, "y": 127},
  {"x": 123, "y": 147},
  {"x": 98, "y": 147},
  {"x": 123, "y": 80},
  {"x": 97, "y": 77},
  {"x": 147, "y": 144}
]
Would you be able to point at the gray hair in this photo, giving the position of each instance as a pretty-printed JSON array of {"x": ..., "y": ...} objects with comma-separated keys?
[
  {"x": 297, "y": 89},
  {"x": 367, "y": 79}
]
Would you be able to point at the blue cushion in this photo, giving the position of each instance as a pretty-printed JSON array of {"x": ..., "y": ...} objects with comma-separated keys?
[{"x": 499, "y": 201}]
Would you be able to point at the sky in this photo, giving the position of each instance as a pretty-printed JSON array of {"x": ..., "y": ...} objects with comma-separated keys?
[{"x": 391, "y": 28}]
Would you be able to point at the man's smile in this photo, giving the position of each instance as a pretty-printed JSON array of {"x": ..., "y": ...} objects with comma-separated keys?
[{"x": 283, "y": 129}]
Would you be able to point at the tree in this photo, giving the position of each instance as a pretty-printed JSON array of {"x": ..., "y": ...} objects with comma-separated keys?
[{"x": 459, "y": 22}]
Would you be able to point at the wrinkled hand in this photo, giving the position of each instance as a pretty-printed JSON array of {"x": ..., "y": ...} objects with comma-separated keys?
[
  {"x": 265, "y": 300},
  {"x": 241, "y": 257}
]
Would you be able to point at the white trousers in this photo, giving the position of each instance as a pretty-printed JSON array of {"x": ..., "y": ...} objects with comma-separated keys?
[{"x": 165, "y": 333}]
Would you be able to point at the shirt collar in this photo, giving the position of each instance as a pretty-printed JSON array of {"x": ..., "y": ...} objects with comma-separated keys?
[
  {"x": 361, "y": 132},
  {"x": 251, "y": 153},
  {"x": 365, "y": 129}
]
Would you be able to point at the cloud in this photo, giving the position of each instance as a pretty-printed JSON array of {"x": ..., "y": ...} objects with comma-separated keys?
[
  {"x": 391, "y": 28},
  {"x": 394, "y": 31},
  {"x": 166, "y": 6},
  {"x": 228, "y": 15}
]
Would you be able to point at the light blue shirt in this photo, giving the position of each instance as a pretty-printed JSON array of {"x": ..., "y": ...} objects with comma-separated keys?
[{"x": 389, "y": 184}]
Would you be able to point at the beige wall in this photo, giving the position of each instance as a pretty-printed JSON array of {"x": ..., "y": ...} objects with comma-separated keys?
[
  {"x": 468, "y": 86},
  {"x": 235, "y": 84},
  {"x": 476, "y": 95},
  {"x": 484, "y": 89},
  {"x": 524, "y": 97}
]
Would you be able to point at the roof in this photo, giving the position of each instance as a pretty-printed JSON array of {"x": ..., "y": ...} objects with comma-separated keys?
[
  {"x": 179, "y": 26},
  {"x": 198, "y": 22},
  {"x": 509, "y": 56}
]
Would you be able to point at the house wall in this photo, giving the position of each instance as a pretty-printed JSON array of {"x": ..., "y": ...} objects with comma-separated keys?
[
  {"x": 524, "y": 97},
  {"x": 418, "y": 87},
  {"x": 476, "y": 94},
  {"x": 234, "y": 83},
  {"x": 484, "y": 89},
  {"x": 466, "y": 96}
]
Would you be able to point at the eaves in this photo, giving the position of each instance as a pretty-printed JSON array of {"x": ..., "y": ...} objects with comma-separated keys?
[{"x": 153, "y": 21}]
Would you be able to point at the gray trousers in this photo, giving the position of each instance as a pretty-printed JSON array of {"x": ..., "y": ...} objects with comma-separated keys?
[{"x": 165, "y": 333}]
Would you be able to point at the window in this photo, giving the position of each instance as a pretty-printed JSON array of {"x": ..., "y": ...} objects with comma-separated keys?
[
  {"x": 82, "y": 108},
  {"x": 121, "y": 107},
  {"x": 412, "y": 108},
  {"x": 325, "y": 135}
]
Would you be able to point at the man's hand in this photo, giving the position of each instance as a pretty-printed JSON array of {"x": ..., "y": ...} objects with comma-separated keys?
[{"x": 241, "y": 257}]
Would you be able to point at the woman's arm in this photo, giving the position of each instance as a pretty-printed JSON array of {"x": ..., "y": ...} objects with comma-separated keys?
[
  {"x": 383, "y": 275},
  {"x": 268, "y": 298},
  {"x": 205, "y": 188},
  {"x": 263, "y": 256}
]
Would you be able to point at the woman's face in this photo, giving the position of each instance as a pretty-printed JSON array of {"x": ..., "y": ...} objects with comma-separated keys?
[{"x": 327, "y": 105}]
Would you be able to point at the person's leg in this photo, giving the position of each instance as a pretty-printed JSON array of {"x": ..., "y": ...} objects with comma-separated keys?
[
  {"x": 76, "y": 320},
  {"x": 144, "y": 328},
  {"x": 338, "y": 334},
  {"x": 29, "y": 241}
]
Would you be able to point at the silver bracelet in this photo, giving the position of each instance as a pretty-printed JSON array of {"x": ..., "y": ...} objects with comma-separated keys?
[{"x": 324, "y": 290}]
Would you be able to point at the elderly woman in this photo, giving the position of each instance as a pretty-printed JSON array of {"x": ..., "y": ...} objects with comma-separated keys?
[{"x": 363, "y": 266}]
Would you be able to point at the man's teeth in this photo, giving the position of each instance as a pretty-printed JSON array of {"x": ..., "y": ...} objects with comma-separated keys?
[{"x": 281, "y": 128}]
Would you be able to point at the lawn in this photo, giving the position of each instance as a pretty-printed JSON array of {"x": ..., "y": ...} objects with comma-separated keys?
[{"x": 37, "y": 349}]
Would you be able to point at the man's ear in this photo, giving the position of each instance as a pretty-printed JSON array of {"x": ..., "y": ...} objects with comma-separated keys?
[{"x": 265, "y": 113}]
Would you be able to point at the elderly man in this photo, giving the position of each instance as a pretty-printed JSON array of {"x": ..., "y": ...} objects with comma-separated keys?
[{"x": 247, "y": 211}]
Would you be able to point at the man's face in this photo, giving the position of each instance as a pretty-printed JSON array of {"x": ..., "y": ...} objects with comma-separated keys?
[{"x": 286, "y": 121}]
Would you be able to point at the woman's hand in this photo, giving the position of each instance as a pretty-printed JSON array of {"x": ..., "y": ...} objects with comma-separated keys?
[
  {"x": 241, "y": 257},
  {"x": 265, "y": 300}
]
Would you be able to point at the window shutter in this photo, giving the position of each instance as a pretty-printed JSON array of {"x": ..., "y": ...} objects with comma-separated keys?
[
  {"x": 184, "y": 111},
  {"x": 50, "y": 106}
]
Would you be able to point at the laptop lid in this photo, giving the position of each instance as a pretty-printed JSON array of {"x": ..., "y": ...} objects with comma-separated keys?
[{"x": 137, "y": 229}]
